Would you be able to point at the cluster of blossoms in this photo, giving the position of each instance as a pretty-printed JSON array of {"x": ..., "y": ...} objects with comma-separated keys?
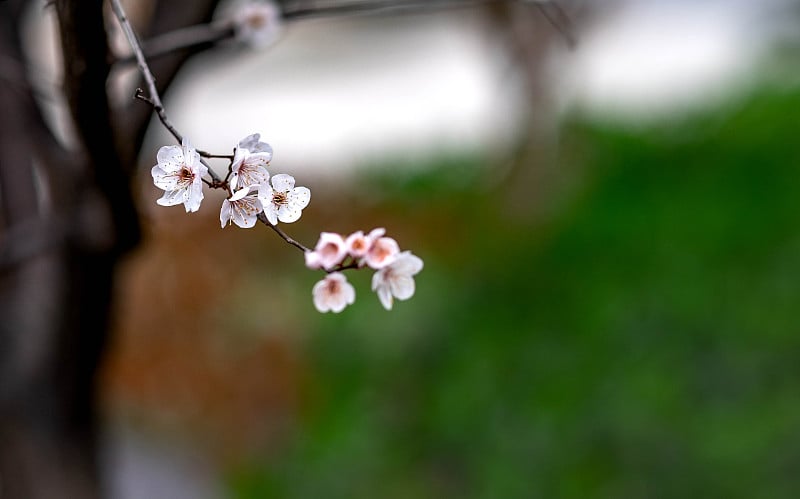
[
  {"x": 394, "y": 270},
  {"x": 278, "y": 198},
  {"x": 180, "y": 172},
  {"x": 252, "y": 192}
]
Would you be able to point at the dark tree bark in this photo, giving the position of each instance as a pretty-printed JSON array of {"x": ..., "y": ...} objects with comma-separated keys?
[{"x": 67, "y": 219}]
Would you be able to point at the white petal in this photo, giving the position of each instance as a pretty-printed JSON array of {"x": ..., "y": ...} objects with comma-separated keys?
[
  {"x": 288, "y": 214},
  {"x": 386, "y": 297},
  {"x": 282, "y": 182},
  {"x": 312, "y": 260},
  {"x": 198, "y": 167},
  {"x": 378, "y": 279},
  {"x": 271, "y": 213},
  {"x": 300, "y": 197},
  {"x": 239, "y": 155},
  {"x": 349, "y": 293},
  {"x": 253, "y": 145},
  {"x": 319, "y": 294},
  {"x": 250, "y": 141},
  {"x": 170, "y": 158},
  {"x": 225, "y": 213},
  {"x": 163, "y": 179},
  {"x": 171, "y": 198},
  {"x": 402, "y": 287},
  {"x": 265, "y": 194},
  {"x": 258, "y": 159},
  {"x": 376, "y": 233},
  {"x": 241, "y": 193},
  {"x": 407, "y": 264},
  {"x": 244, "y": 211},
  {"x": 190, "y": 156},
  {"x": 249, "y": 175},
  {"x": 320, "y": 305},
  {"x": 192, "y": 203},
  {"x": 337, "y": 303},
  {"x": 265, "y": 149},
  {"x": 244, "y": 220}
]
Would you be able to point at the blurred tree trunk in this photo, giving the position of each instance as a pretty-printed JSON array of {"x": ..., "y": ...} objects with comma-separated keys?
[
  {"x": 530, "y": 34},
  {"x": 67, "y": 219}
]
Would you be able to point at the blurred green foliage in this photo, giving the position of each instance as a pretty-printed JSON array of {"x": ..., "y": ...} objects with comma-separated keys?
[{"x": 643, "y": 342}]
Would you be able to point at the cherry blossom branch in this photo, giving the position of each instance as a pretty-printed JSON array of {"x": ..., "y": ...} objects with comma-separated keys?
[{"x": 180, "y": 171}]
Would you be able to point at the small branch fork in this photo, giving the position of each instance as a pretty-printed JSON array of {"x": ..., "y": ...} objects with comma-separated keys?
[{"x": 153, "y": 99}]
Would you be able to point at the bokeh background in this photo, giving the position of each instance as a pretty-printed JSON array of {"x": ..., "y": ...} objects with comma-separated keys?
[{"x": 611, "y": 237}]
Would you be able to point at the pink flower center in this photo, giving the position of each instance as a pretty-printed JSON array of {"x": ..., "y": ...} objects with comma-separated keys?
[
  {"x": 330, "y": 250},
  {"x": 333, "y": 287},
  {"x": 359, "y": 245},
  {"x": 257, "y": 21},
  {"x": 185, "y": 176},
  {"x": 381, "y": 251}
]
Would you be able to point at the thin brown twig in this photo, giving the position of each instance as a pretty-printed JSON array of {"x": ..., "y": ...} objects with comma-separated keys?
[
  {"x": 155, "y": 101},
  {"x": 263, "y": 219},
  {"x": 153, "y": 98},
  {"x": 562, "y": 25},
  {"x": 346, "y": 266},
  {"x": 210, "y": 156},
  {"x": 162, "y": 116}
]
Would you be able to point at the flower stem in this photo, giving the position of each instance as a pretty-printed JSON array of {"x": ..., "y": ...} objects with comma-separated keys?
[{"x": 263, "y": 219}]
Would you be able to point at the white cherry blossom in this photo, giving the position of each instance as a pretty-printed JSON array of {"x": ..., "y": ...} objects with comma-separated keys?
[
  {"x": 282, "y": 200},
  {"x": 382, "y": 252},
  {"x": 250, "y": 160},
  {"x": 179, "y": 173},
  {"x": 258, "y": 23},
  {"x": 328, "y": 253},
  {"x": 396, "y": 280},
  {"x": 333, "y": 293},
  {"x": 242, "y": 208}
]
